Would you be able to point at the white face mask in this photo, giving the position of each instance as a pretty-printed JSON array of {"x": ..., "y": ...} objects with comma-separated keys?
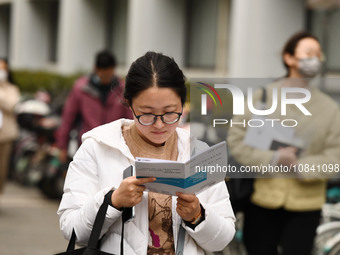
[
  {"x": 3, "y": 75},
  {"x": 309, "y": 67}
]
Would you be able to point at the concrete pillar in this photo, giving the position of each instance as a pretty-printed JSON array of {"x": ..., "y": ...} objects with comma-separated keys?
[
  {"x": 259, "y": 30},
  {"x": 30, "y": 29},
  {"x": 158, "y": 26},
  {"x": 81, "y": 34}
]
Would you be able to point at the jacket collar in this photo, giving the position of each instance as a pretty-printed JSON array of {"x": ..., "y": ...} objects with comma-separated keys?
[
  {"x": 91, "y": 90},
  {"x": 111, "y": 135}
]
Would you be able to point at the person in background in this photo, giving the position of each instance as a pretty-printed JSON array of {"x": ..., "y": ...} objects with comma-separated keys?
[
  {"x": 155, "y": 92},
  {"x": 285, "y": 212},
  {"x": 93, "y": 101},
  {"x": 9, "y": 97}
]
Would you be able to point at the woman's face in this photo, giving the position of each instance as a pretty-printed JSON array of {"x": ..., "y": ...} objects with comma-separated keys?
[
  {"x": 156, "y": 101},
  {"x": 306, "y": 60},
  {"x": 3, "y": 65},
  {"x": 308, "y": 48},
  {"x": 3, "y": 71}
]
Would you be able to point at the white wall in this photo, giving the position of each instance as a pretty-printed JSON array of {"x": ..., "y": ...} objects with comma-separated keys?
[
  {"x": 158, "y": 26},
  {"x": 259, "y": 30}
]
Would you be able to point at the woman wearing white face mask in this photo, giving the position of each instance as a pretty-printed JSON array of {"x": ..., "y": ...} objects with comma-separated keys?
[
  {"x": 284, "y": 213},
  {"x": 9, "y": 97},
  {"x": 302, "y": 56}
]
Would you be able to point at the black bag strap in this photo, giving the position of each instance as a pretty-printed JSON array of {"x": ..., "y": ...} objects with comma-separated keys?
[
  {"x": 98, "y": 224},
  {"x": 99, "y": 221},
  {"x": 72, "y": 243},
  {"x": 97, "y": 227}
]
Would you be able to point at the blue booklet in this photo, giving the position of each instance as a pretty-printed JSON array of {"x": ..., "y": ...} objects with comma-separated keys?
[{"x": 193, "y": 176}]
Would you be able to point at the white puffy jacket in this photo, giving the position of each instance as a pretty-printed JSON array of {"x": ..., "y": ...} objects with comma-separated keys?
[{"x": 98, "y": 166}]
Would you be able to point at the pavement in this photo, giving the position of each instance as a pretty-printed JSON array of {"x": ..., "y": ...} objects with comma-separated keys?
[{"x": 29, "y": 224}]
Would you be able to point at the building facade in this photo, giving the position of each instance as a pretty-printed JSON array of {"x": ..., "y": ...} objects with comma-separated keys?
[{"x": 235, "y": 38}]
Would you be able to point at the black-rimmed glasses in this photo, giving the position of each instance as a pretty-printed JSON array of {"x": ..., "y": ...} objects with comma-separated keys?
[{"x": 148, "y": 119}]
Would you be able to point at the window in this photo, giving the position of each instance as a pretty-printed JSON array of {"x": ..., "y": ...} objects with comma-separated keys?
[
  {"x": 5, "y": 11},
  {"x": 201, "y": 33},
  {"x": 116, "y": 29},
  {"x": 53, "y": 21},
  {"x": 325, "y": 25}
]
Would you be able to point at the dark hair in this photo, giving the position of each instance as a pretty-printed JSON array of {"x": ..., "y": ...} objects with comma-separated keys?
[
  {"x": 105, "y": 59},
  {"x": 292, "y": 43},
  {"x": 9, "y": 77},
  {"x": 154, "y": 69}
]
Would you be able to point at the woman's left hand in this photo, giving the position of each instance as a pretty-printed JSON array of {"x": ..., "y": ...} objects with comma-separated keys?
[{"x": 188, "y": 206}]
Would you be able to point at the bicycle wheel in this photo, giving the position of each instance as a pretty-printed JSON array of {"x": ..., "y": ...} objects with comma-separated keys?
[
  {"x": 324, "y": 232},
  {"x": 335, "y": 250},
  {"x": 22, "y": 166},
  {"x": 332, "y": 246}
]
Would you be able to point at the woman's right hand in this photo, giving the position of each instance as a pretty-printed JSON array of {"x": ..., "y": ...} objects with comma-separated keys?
[
  {"x": 62, "y": 156},
  {"x": 287, "y": 156},
  {"x": 129, "y": 192}
]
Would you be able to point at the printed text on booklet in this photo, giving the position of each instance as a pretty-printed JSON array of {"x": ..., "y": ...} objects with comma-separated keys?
[{"x": 192, "y": 176}]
